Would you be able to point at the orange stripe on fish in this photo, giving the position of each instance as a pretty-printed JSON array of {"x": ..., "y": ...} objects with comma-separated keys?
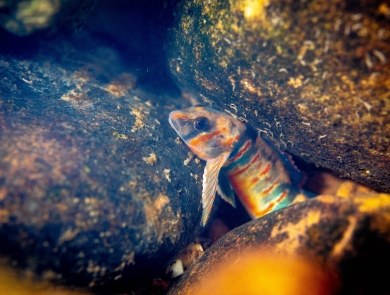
[
  {"x": 282, "y": 196},
  {"x": 266, "y": 170},
  {"x": 254, "y": 180},
  {"x": 204, "y": 137},
  {"x": 242, "y": 151},
  {"x": 243, "y": 169},
  {"x": 254, "y": 160},
  {"x": 270, "y": 188},
  {"x": 268, "y": 209},
  {"x": 271, "y": 205}
]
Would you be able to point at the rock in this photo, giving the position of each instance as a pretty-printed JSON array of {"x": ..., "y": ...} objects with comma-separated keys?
[
  {"x": 313, "y": 76},
  {"x": 93, "y": 186},
  {"x": 25, "y": 17},
  {"x": 184, "y": 260},
  {"x": 347, "y": 237},
  {"x": 325, "y": 183}
]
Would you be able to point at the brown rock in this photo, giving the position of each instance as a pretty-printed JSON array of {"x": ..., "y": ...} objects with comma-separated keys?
[
  {"x": 313, "y": 75},
  {"x": 94, "y": 191},
  {"x": 348, "y": 237}
]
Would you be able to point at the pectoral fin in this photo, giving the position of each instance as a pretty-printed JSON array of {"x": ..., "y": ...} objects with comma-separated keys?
[
  {"x": 210, "y": 182},
  {"x": 225, "y": 189}
]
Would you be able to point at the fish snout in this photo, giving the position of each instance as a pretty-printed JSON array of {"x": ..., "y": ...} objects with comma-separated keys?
[{"x": 173, "y": 120}]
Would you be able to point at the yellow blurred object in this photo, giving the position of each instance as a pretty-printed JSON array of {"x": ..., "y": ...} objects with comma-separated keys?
[
  {"x": 254, "y": 8},
  {"x": 12, "y": 284},
  {"x": 259, "y": 273},
  {"x": 349, "y": 189}
]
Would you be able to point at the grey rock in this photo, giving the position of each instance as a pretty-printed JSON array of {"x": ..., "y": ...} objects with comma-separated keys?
[{"x": 93, "y": 188}]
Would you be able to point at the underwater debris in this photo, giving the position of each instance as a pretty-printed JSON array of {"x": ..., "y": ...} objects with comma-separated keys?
[
  {"x": 139, "y": 119},
  {"x": 151, "y": 160},
  {"x": 167, "y": 174}
]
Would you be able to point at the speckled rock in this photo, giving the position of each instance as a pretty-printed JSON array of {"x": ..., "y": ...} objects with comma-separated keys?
[
  {"x": 25, "y": 17},
  {"x": 313, "y": 75},
  {"x": 95, "y": 189},
  {"x": 349, "y": 237}
]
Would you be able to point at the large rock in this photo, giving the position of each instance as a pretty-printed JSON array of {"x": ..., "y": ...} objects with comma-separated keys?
[
  {"x": 313, "y": 75},
  {"x": 94, "y": 187},
  {"x": 346, "y": 237}
]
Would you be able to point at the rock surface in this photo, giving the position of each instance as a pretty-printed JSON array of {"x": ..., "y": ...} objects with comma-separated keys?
[
  {"x": 93, "y": 186},
  {"x": 312, "y": 75},
  {"x": 349, "y": 237}
]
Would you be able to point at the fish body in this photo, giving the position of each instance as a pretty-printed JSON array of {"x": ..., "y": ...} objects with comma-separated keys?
[{"x": 238, "y": 160}]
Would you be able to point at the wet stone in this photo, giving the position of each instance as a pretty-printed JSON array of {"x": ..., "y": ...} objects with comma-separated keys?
[
  {"x": 312, "y": 76},
  {"x": 94, "y": 191},
  {"x": 346, "y": 237}
]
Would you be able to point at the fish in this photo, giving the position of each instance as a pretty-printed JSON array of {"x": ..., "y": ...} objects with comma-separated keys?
[{"x": 239, "y": 162}]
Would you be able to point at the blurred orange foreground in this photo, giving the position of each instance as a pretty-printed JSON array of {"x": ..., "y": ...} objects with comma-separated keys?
[{"x": 259, "y": 273}]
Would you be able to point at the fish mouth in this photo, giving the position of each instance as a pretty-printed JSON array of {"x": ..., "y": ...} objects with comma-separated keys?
[{"x": 175, "y": 125}]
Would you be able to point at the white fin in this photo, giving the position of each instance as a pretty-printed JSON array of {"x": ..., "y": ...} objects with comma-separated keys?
[
  {"x": 210, "y": 181},
  {"x": 224, "y": 188}
]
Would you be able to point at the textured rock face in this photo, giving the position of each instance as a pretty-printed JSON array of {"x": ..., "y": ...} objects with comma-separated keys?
[
  {"x": 312, "y": 75},
  {"x": 347, "y": 237},
  {"x": 93, "y": 188}
]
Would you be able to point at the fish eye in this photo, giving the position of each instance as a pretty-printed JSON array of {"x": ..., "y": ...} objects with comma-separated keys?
[{"x": 201, "y": 124}]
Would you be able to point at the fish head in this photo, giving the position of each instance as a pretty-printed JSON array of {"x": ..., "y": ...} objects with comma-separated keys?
[{"x": 207, "y": 132}]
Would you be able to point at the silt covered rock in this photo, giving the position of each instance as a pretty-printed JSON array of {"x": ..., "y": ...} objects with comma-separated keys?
[
  {"x": 346, "y": 238},
  {"x": 93, "y": 186}
]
